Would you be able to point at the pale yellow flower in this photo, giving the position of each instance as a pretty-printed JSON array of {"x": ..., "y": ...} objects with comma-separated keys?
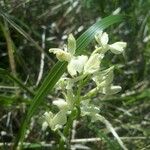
[
  {"x": 102, "y": 39},
  {"x": 55, "y": 121},
  {"x": 68, "y": 52},
  {"x": 93, "y": 63},
  {"x": 76, "y": 64}
]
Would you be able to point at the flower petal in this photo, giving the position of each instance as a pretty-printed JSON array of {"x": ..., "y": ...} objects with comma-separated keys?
[
  {"x": 104, "y": 77},
  {"x": 48, "y": 117},
  {"x": 102, "y": 38},
  {"x": 118, "y": 47},
  {"x": 60, "y": 54},
  {"x": 76, "y": 65},
  {"x": 60, "y": 103},
  {"x": 93, "y": 63},
  {"x": 59, "y": 120}
]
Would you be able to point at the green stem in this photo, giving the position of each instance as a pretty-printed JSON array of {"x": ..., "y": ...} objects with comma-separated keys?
[
  {"x": 78, "y": 94},
  {"x": 92, "y": 92},
  {"x": 66, "y": 130}
]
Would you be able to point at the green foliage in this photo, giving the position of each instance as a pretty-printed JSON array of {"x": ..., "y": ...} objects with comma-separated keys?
[{"x": 29, "y": 22}]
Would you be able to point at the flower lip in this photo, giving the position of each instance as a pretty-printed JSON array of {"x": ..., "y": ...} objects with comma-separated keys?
[{"x": 102, "y": 39}]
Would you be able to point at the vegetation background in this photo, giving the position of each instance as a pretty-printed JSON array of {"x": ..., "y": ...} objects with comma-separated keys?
[{"x": 28, "y": 28}]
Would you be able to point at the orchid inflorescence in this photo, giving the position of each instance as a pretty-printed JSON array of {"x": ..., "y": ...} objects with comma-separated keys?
[{"x": 81, "y": 70}]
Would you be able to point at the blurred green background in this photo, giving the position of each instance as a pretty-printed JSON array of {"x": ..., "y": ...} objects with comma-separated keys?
[{"x": 28, "y": 28}]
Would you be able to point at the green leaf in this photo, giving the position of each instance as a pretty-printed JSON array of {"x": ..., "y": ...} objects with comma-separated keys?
[{"x": 59, "y": 68}]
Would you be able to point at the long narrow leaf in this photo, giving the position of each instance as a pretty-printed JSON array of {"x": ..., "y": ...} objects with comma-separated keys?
[{"x": 57, "y": 71}]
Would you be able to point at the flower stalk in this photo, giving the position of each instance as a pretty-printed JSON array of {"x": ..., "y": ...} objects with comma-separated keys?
[{"x": 77, "y": 88}]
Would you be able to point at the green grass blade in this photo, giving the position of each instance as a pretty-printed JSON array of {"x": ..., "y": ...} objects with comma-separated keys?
[
  {"x": 57, "y": 71},
  {"x": 6, "y": 73},
  {"x": 6, "y": 100},
  {"x": 10, "y": 47},
  {"x": 22, "y": 32}
]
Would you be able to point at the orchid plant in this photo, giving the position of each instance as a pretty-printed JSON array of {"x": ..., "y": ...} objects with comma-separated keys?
[{"x": 82, "y": 69}]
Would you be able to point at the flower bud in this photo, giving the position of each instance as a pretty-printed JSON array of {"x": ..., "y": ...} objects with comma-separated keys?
[{"x": 71, "y": 44}]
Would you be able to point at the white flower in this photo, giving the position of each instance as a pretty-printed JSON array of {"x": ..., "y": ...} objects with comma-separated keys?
[
  {"x": 76, "y": 64},
  {"x": 44, "y": 126},
  {"x": 55, "y": 121},
  {"x": 104, "y": 78},
  {"x": 102, "y": 39},
  {"x": 61, "y": 104},
  {"x": 93, "y": 63},
  {"x": 66, "y": 104},
  {"x": 118, "y": 47},
  {"x": 68, "y": 52},
  {"x": 81, "y": 64}
]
